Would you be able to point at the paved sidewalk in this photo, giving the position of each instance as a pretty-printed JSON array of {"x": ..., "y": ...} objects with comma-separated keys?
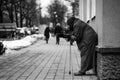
[{"x": 42, "y": 61}]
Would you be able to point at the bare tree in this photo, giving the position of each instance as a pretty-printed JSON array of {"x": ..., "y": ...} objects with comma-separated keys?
[
  {"x": 1, "y": 11},
  {"x": 17, "y": 11},
  {"x": 9, "y": 7},
  {"x": 57, "y": 11},
  {"x": 29, "y": 12}
]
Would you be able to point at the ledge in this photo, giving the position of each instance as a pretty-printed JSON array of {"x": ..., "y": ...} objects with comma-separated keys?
[
  {"x": 108, "y": 50},
  {"x": 93, "y": 18},
  {"x": 88, "y": 21}
]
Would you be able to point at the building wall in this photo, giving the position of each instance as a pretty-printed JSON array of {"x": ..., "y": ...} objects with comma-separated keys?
[
  {"x": 99, "y": 22},
  {"x": 87, "y": 11},
  {"x": 111, "y": 23},
  {"x": 106, "y": 22},
  {"x": 103, "y": 16},
  {"x": 81, "y": 9}
]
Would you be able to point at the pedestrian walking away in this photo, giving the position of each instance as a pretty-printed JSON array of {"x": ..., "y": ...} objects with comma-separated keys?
[
  {"x": 86, "y": 39},
  {"x": 58, "y": 32},
  {"x": 47, "y": 34}
]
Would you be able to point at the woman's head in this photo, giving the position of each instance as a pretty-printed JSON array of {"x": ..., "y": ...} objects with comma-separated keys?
[{"x": 71, "y": 22}]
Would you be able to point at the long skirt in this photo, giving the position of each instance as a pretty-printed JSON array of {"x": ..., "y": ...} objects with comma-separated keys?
[{"x": 88, "y": 56}]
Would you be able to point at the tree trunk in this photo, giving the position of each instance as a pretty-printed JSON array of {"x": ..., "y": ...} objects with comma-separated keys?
[
  {"x": 21, "y": 20},
  {"x": 1, "y": 15},
  {"x": 11, "y": 14},
  {"x": 27, "y": 22},
  {"x": 16, "y": 17}
]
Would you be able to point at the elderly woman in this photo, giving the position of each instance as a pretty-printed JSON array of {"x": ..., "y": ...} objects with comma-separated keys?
[{"x": 86, "y": 39}]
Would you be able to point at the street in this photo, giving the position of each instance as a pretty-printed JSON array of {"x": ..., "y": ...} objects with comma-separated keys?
[{"x": 42, "y": 61}]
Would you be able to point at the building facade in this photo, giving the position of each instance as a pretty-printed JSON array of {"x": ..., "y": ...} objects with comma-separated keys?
[{"x": 103, "y": 16}]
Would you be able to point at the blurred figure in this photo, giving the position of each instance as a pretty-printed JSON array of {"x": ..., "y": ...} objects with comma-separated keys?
[
  {"x": 58, "y": 32},
  {"x": 86, "y": 39},
  {"x": 2, "y": 48},
  {"x": 47, "y": 34}
]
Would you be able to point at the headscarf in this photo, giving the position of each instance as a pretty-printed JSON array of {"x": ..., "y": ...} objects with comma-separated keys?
[{"x": 71, "y": 22}]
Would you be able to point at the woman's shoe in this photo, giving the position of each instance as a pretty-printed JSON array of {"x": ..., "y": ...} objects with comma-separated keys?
[{"x": 79, "y": 73}]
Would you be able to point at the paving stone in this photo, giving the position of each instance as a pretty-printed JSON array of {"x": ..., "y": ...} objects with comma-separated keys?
[{"x": 42, "y": 61}]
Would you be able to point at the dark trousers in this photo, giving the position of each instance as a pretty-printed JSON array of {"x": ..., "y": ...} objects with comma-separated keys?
[
  {"x": 57, "y": 39},
  {"x": 47, "y": 38}
]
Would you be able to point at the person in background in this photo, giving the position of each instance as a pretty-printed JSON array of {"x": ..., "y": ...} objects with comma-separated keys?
[
  {"x": 47, "y": 34},
  {"x": 58, "y": 32},
  {"x": 86, "y": 39}
]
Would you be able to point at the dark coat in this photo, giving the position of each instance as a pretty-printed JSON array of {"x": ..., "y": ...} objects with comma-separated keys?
[
  {"x": 58, "y": 30},
  {"x": 86, "y": 39},
  {"x": 46, "y": 32}
]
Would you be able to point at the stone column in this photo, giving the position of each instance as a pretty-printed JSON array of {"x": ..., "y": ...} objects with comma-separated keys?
[
  {"x": 83, "y": 10},
  {"x": 108, "y": 24}
]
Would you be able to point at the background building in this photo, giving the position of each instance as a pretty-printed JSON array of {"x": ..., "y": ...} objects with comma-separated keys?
[{"x": 103, "y": 16}]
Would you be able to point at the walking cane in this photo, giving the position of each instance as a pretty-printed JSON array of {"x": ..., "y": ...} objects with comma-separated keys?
[{"x": 70, "y": 61}]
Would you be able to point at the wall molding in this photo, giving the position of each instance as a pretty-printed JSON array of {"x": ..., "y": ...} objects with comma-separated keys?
[{"x": 108, "y": 50}]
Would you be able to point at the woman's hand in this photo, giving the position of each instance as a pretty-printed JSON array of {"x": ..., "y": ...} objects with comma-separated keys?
[{"x": 73, "y": 38}]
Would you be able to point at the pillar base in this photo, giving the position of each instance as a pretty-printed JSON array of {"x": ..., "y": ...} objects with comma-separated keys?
[{"x": 108, "y": 63}]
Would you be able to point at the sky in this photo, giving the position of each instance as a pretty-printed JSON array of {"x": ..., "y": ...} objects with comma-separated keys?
[{"x": 45, "y": 3}]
